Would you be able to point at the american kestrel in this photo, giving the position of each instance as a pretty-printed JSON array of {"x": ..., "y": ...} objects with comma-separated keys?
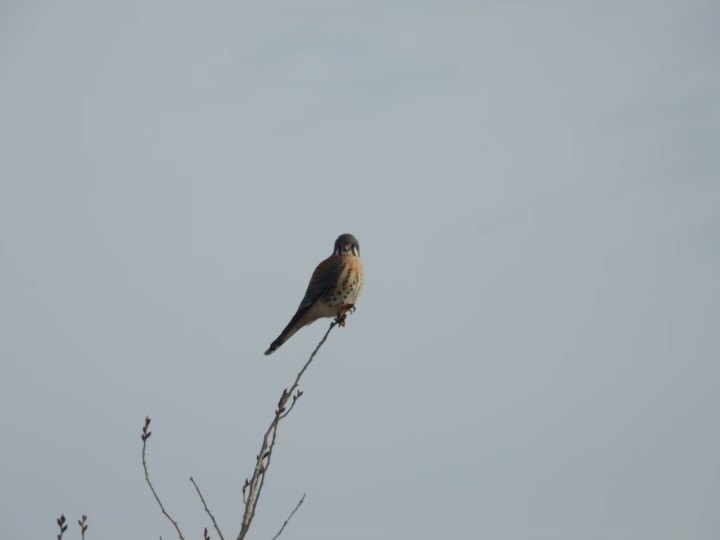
[{"x": 334, "y": 288}]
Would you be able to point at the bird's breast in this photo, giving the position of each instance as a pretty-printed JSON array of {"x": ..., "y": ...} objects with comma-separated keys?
[{"x": 348, "y": 286}]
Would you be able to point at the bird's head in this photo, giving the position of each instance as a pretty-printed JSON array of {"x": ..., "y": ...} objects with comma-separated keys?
[{"x": 347, "y": 244}]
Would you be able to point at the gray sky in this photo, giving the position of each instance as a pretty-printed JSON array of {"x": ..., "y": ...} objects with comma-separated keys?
[{"x": 535, "y": 188}]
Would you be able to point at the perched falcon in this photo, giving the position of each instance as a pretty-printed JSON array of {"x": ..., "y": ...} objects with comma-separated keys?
[{"x": 334, "y": 288}]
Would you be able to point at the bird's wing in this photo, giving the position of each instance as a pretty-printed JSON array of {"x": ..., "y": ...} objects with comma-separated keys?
[{"x": 324, "y": 278}]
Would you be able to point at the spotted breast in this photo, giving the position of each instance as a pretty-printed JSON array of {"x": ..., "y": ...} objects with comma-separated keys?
[{"x": 347, "y": 287}]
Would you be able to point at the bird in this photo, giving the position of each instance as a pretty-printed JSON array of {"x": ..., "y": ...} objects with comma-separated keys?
[{"x": 334, "y": 288}]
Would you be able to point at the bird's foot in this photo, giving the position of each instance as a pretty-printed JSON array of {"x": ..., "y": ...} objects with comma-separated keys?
[{"x": 342, "y": 313}]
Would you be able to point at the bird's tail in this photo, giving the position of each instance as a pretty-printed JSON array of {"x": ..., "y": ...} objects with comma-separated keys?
[
  {"x": 293, "y": 326},
  {"x": 275, "y": 345}
]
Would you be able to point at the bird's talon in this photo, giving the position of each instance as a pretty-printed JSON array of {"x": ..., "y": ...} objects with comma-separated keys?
[
  {"x": 342, "y": 313},
  {"x": 347, "y": 308}
]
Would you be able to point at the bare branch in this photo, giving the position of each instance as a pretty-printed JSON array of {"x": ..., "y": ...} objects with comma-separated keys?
[
  {"x": 145, "y": 436},
  {"x": 296, "y": 396},
  {"x": 289, "y": 517},
  {"x": 207, "y": 510},
  {"x": 61, "y": 525},
  {"x": 83, "y": 526},
  {"x": 253, "y": 487}
]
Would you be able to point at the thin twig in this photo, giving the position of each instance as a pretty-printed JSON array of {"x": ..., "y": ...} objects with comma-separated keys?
[
  {"x": 294, "y": 401},
  {"x": 207, "y": 510},
  {"x": 145, "y": 436},
  {"x": 83, "y": 526},
  {"x": 289, "y": 518},
  {"x": 61, "y": 525},
  {"x": 253, "y": 487}
]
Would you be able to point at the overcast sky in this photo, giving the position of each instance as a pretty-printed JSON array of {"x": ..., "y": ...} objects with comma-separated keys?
[{"x": 536, "y": 191}]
